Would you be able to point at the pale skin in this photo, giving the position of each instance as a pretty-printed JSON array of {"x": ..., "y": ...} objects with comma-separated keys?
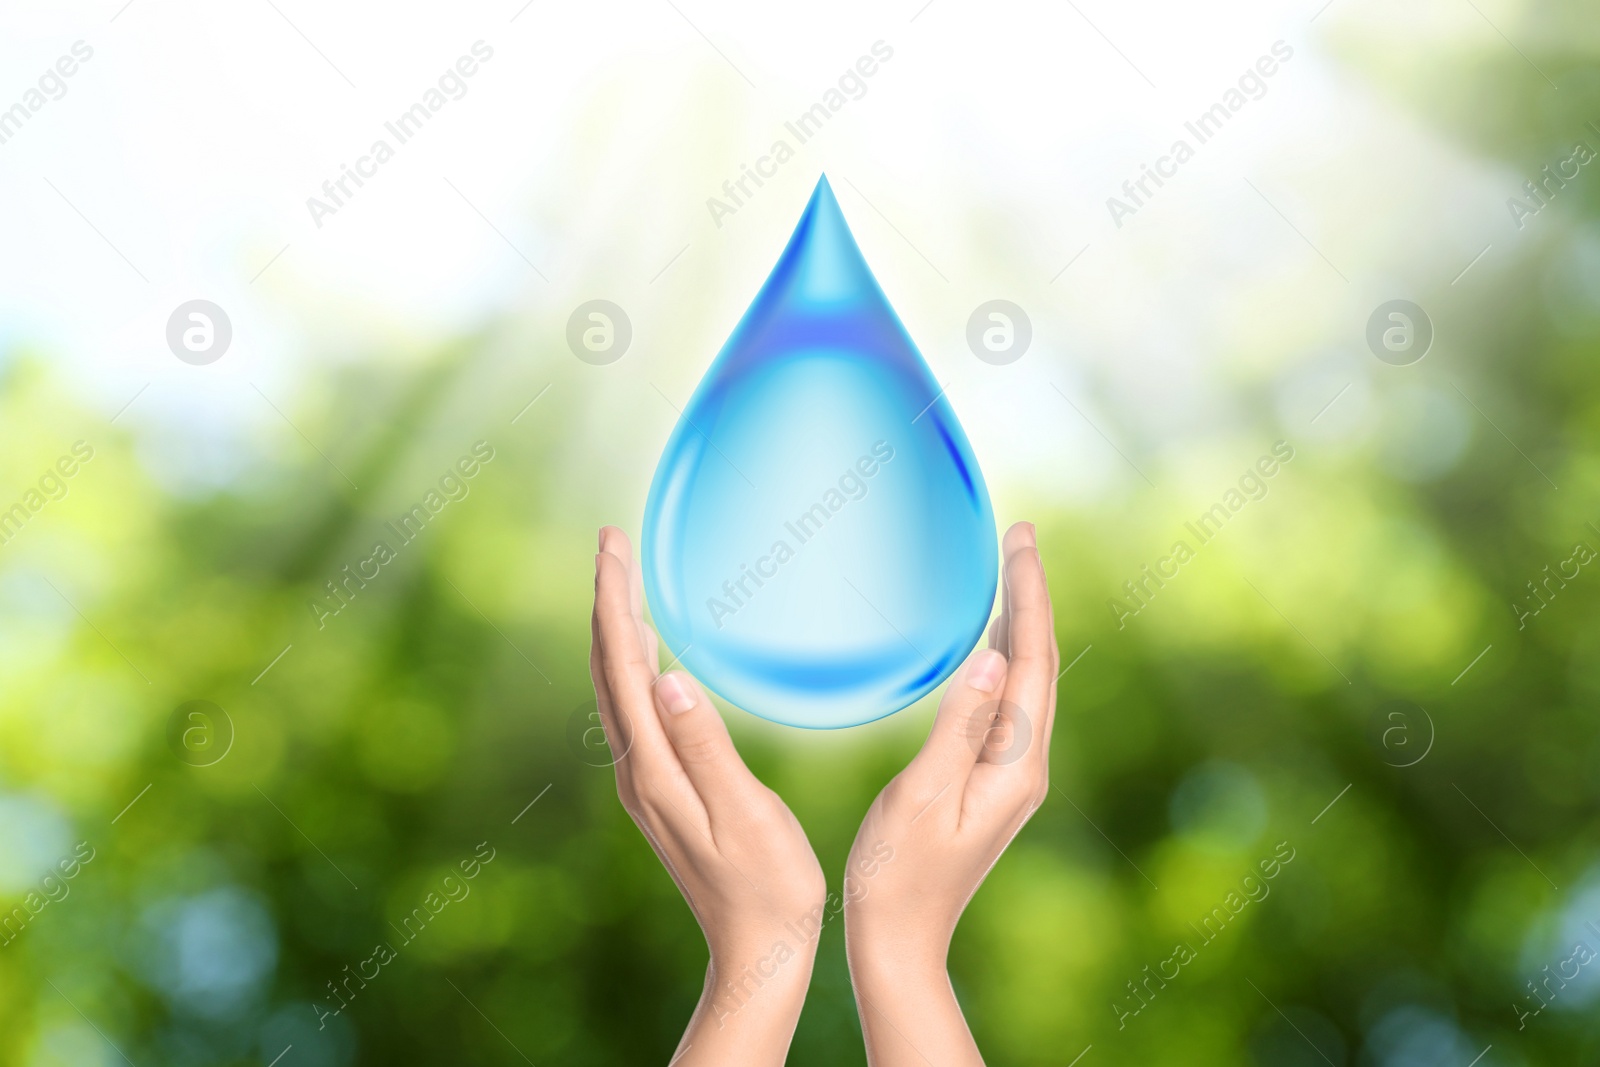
[{"x": 746, "y": 869}]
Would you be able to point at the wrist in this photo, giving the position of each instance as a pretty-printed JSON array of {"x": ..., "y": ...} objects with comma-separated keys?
[
  {"x": 758, "y": 980},
  {"x": 907, "y": 1005},
  {"x": 884, "y": 957},
  {"x": 748, "y": 1009},
  {"x": 903, "y": 993},
  {"x": 768, "y": 950}
]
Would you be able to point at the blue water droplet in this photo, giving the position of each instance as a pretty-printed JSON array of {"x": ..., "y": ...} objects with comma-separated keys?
[{"x": 818, "y": 546}]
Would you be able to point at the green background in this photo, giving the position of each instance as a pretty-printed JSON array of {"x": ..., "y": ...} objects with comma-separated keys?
[{"x": 382, "y": 749}]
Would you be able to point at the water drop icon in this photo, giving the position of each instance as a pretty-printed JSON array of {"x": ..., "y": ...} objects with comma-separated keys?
[{"x": 818, "y": 544}]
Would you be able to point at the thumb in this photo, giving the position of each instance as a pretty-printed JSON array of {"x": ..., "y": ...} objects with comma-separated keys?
[
  {"x": 957, "y": 738},
  {"x": 700, "y": 739}
]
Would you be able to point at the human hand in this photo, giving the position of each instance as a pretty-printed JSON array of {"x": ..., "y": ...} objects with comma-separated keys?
[
  {"x": 933, "y": 834},
  {"x": 737, "y": 854}
]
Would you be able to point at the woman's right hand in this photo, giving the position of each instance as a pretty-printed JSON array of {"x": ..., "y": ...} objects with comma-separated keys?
[{"x": 933, "y": 834}]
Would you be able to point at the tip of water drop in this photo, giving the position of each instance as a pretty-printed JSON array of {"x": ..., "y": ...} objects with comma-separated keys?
[{"x": 821, "y": 266}]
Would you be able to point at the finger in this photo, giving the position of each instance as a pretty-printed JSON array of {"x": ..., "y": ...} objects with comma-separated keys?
[
  {"x": 1044, "y": 740},
  {"x": 652, "y": 647},
  {"x": 615, "y": 541},
  {"x": 1019, "y": 535},
  {"x": 597, "y": 674},
  {"x": 1055, "y": 669},
  {"x": 999, "y": 630},
  {"x": 704, "y": 749},
  {"x": 674, "y": 815},
  {"x": 1031, "y": 677},
  {"x": 652, "y": 786},
  {"x": 952, "y": 747},
  {"x": 618, "y": 544},
  {"x": 1007, "y": 734},
  {"x": 628, "y": 674},
  {"x": 616, "y": 725}
]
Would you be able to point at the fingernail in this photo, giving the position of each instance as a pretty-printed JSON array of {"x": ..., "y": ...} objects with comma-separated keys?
[
  {"x": 985, "y": 670},
  {"x": 601, "y": 539},
  {"x": 674, "y": 694}
]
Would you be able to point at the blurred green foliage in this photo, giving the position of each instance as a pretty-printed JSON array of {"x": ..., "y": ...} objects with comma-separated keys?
[{"x": 390, "y": 743}]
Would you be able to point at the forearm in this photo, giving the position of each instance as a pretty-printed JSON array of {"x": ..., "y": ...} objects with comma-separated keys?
[
  {"x": 748, "y": 1009},
  {"x": 909, "y": 1013}
]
